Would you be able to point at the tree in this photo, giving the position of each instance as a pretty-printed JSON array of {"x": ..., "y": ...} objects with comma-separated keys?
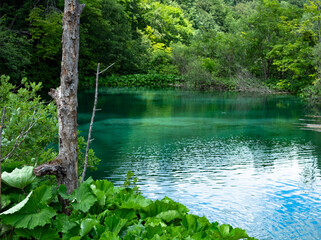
[
  {"x": 166, "y": 24},
  {"x": 14, "y": 54},
  {"x": 45, "y": 29},
  {"x": 65, "y": 166},
  {"x": 31, "y": 124}
]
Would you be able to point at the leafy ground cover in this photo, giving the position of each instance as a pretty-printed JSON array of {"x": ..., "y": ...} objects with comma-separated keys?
[
  {"x": 134, "y": 80},
  {"x": 31, "y": 210}
]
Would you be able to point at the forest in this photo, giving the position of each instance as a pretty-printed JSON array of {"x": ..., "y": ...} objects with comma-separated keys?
[{"x": 231, "y": 45}]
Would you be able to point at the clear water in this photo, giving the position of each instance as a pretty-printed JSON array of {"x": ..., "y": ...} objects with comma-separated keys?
[{"x": 249, "y": 161}]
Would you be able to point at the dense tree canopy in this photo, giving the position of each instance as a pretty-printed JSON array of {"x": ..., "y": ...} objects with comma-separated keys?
[{"x": 277, "y": 42}]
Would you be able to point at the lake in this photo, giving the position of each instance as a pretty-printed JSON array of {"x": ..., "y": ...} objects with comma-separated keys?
[{"x": 247, "y": 160}]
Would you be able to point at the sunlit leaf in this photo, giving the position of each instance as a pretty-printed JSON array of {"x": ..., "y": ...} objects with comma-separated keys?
[
  {"x": 34, "y": 211},
  {"x": 109, "y": 236},
  {"x": 101, "y": 189},
  {"x": 169, "y": 215},
  {"x": 19, "y": 178},
  {"x": 114, "y": 223},
  {"x": 87, "y": 225},
  {"x": 83, "y": 198},
  {"x": 135, "y": 202},
  {"x": 17, "y": 207}
]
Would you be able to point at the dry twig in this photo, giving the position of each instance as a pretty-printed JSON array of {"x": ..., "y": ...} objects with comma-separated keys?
[{"x": 92, "y": 120}]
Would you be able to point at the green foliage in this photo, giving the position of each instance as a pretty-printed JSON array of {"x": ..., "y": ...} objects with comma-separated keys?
[
  {"x": 166, "y": 24},
  {"x": 206, "y": 41},
  {"x": 19, "y": 178},
  {"x": 25, "y": 109},
  {"x": 161, "y": 62},
  {"x": 93, "y": 160},
  {"x": 135, "y": 80},
  {"x": 35, "y": 211},
  {"x": 210, "y": 15},
  {"x": 46, "y": 32},
  {"x": 102, "y": 211},
  {"x": 15, "y": 55},
  {"x": 131, "y": 181}
]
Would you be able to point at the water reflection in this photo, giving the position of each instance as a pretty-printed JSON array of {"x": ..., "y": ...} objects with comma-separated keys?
[{"x": 243, "y": 160}]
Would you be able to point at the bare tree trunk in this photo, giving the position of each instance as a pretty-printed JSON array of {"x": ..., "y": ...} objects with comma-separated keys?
[{"x": 65, "y": 166}]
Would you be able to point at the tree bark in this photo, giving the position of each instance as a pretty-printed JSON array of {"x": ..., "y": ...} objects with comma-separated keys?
[{"x": 65, "y": 166}]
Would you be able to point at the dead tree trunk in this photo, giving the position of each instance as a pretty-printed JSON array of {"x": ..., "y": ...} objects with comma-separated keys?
[{"x": 65, "y": 166}]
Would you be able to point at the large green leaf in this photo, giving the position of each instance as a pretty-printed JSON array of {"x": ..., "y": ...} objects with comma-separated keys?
[
  {"x": 164, "y": 205},
  {"x": 19, "y": 178},
  {"x": 109, "y": 236},
  {"x": 134, "y": 232},
  {"x": 133, "y": 201},
  {"x": 228, "y": 232},
  {"x": 169, "y": 215},
  {"x": 62, "y": 191},
  {"x": 41, "y": 233},
  {"x": 87, "y": 225},
  {"x": 101, "y": 189},
  {"x": 153, "y": 222},
  {"x": 128, "y": 214},
  {"x": 115, "y": 223},
  {"x": 67, "y": 225},
  {"x": 83, "y": 198},
  {"x": 34, "y": 211},
  {"x": 152, "y": 231},
  {"x": 18, "y": 206},
  {"x": 195, "y": 223},
  {"x": 5, "y": 201}
]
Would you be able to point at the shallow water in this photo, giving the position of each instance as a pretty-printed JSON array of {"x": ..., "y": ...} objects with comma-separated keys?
[{"x": 249, "y": 161}]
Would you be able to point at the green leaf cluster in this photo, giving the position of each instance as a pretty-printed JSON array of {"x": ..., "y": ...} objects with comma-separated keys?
[
  {"x": 14, "y": 53},
  {"x": 102, "y": 211},
  {"x": 25, "y": 109},
  {"x": 270, "y": 43},
  {"x": 136, "y": 80}
]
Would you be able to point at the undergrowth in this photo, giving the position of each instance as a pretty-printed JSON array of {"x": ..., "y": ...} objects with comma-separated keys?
[
  {"x": 31, "y": 210},
  {"x": 134, "y": 80}
]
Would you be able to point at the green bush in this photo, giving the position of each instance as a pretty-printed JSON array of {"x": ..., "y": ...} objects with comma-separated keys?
[
  {"x": 99, "y": 211},
  {"x": 135, "y": 80},
  {"x": 25, "y": 109}
]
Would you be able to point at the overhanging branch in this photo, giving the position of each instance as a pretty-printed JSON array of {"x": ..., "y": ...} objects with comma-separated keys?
[{"x": 51, "y": 168}]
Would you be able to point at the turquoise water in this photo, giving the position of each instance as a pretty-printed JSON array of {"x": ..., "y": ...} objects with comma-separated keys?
[{"x": 250, "y": 161}]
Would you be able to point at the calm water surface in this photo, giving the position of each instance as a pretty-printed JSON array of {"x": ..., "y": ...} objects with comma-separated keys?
[{"x": 246, "y": 160}]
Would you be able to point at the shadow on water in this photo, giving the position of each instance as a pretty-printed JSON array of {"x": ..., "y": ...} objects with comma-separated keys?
[{"x": 239, "y": 159}]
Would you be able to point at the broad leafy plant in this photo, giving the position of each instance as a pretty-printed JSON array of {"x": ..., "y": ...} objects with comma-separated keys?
[{"x": 99, "y": 211}]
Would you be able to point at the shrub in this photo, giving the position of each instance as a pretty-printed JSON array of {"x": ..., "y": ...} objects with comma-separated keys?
[
  {"x": 135, "y": 80},
  {"x": 25, "y": 109},
  {"x": 99, "y": 211}
]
